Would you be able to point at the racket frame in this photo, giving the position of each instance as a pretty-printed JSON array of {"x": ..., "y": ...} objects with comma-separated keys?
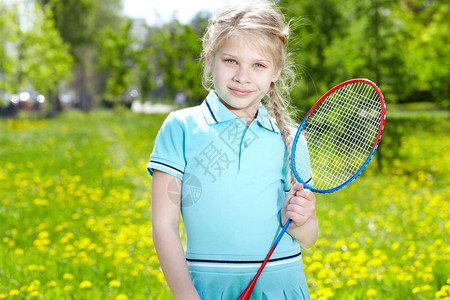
[
  {"x": 246, "y": 294},
  {"x": 372, "y": 153}
]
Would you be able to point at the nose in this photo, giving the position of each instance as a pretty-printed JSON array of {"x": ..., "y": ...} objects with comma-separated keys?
[{"x": 242, "y": 75}]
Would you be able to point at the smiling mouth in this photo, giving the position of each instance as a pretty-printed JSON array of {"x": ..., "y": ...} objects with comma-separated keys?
[{"x": 239, "y": 92}]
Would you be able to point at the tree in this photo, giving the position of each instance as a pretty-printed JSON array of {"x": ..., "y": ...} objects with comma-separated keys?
[
  {"x": 119, "y": 57},
  {"x": 32, "y": 54},
  {"x": 10, "y": 38},
  {"x": 315, "y": 25},
  {"x": 425, "y": 40},
  {"x": 367, "y": 47},
  {"x": 401, "y": 45},
  {"x": 177, "y": 49},
  {"x": 46, "y": 58},
  {"x": 81, "y": 24}
]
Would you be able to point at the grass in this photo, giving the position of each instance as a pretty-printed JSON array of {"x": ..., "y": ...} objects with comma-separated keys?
[{"x": 75, "y": 217}]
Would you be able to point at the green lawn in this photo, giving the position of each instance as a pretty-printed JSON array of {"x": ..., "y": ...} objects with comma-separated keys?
[{"x": 75, "y": 217}]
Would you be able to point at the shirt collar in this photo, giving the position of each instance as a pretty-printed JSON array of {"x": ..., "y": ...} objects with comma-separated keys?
[{"x": 216, "y": 112}]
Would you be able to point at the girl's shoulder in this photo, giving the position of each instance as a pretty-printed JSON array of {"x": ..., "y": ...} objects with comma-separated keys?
[{"x": 185, "y": 115}]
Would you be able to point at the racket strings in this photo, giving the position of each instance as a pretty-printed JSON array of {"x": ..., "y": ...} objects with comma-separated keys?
[
  {"x": 360, "y": 127},
  {"x": 349, "y": 124},
  {"x": 340, "y": 134},
  {"x": 352, "y": 141}
]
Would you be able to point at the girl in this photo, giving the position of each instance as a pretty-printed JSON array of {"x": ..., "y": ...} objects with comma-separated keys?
[{"x": 224, "y": 166}]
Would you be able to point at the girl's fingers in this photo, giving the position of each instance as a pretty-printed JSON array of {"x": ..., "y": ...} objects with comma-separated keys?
[
  {"x": 302, "y": 201},
  {"x": 297, "y": 220},
  {"x": 305, "y": 194}
]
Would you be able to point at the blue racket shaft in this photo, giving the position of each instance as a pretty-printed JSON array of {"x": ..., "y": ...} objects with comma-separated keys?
[{"x": 248, "y": 291}]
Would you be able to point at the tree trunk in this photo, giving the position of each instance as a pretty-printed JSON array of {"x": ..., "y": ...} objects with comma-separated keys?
[{"x": 84, "y": 97}]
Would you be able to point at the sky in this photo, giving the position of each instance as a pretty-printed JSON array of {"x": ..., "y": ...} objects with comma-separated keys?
[{"x": 156, "y": 11}]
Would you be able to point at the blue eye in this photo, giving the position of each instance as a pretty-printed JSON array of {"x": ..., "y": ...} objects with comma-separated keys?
[{"x": 258, "y": 65}]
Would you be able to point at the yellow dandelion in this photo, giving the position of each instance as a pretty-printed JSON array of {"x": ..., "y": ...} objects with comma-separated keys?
[
  {"x": 109, "y": 274},
  {"x": 68, "y": 288},
  {"x": 3, "y": 296},
  {"x": 32, "y": 287},
  {"x": 68, "y": 276},
  {"x": 440, "y": 294},
  {"x": 354, "y": 245},
  {"x": 161, "y": 278},
  {"x": 427, "y": 277},
  {"x": 337, "y": 285},
  {"x": 416, "y": 290},
  {"x": 427, "y": 287},
  {"x": 51, "y": 284},
  {"x": 14, "y": 292},
  {"x": 114, "y": 283},
  {"x": 69, "y": 248},
  {"x": 43, "y": 235},
  {"x": 371, "y": 293},
  {"x": 85, "y": 284},
  {"x": 36, "y": 283},
  {"x": 121, "y": 297},
  {"x": 34, "y": 294},
  {"x": 351, "y": 282}
]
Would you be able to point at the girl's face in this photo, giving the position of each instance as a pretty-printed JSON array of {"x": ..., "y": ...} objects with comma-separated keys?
[{"x": 242, "y": 75}]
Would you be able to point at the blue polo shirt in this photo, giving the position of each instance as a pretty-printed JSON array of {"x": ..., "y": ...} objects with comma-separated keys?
[{"x": 234, "y": 181}]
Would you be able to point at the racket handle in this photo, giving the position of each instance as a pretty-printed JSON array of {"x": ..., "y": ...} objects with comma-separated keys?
[{"x": 248, "y": 291}]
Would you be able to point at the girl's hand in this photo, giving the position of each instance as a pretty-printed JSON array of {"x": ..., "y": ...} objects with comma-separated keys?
[{"x": 299, "y": 206}]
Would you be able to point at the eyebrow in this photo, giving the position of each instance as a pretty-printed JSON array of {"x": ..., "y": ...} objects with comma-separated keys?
[{"x": 257, "y": 59}]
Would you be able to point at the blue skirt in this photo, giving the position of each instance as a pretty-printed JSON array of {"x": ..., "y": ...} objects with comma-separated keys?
[{"x": 279, "y": 280}]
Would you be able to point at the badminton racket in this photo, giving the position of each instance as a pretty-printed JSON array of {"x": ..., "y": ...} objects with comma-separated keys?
[{"x": 334, "y": 143}]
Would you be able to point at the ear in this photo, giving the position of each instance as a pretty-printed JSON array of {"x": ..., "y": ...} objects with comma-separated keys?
[
  {"x": 276, "y": 76},
  {"x": 208, "y": 61}
]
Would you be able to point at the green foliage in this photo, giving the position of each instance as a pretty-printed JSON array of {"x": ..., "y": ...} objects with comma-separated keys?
[
  {"x": 177, "y": 54},
  {"x": 46, "y": 59},
  {"x": 403, "y": 46},
  {"x": 82, "y": 24},
  {"x": 10, "y": 37},
  {"x": 315, "y": 24},
  {"x": 74, "y": 19},
  {"x": 400, "y": 45},
  {"x": 32, "y": 54},
  {"x": 425, "y": 43},
  {"x": 119, "y": 59}
]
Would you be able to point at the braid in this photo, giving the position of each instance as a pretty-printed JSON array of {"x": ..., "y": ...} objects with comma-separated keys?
[{"x": 281, "y": 117}]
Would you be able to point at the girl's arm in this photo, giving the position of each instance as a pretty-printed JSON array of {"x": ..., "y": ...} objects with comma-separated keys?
[
  {"x": 300, "y": 207},
  {"x": 166, "y": 236}
]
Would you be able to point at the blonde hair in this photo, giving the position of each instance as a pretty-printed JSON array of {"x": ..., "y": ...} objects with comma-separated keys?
[{"x": 265, "y": 21}]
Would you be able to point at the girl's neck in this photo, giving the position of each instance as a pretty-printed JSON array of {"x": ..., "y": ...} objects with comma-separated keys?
[{"x": 248, "y": 113}]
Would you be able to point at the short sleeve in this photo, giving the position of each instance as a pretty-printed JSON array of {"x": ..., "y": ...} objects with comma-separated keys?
[{"x": 168, "y": 152}]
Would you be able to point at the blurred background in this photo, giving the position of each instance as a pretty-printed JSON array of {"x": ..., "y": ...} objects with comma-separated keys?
[
  {"x": 87, "y": 54},
  {"x": 85, "y": 86}
]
